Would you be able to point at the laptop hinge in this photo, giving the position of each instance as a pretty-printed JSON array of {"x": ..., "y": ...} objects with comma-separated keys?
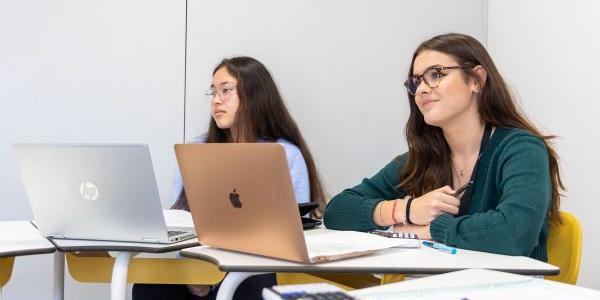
[
  {"x": 153, "y": 240},
  {"x": 56, "y": 236}
]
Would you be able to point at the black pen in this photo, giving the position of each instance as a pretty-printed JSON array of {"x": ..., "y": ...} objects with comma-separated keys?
[{"x": 463, "y": 188}]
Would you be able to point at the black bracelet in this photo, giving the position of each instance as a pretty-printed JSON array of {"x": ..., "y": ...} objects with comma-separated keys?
[{"x": 407, "y": 213}]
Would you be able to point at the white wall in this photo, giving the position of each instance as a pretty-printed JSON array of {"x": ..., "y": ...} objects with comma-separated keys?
[
  {"x": 548, "y": 52},
  {"x": 86, "y": 71},
  {"x": 339, "y": 64}
]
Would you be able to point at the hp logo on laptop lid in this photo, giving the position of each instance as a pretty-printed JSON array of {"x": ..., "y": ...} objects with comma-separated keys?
[{"x": 88, "y": 191}]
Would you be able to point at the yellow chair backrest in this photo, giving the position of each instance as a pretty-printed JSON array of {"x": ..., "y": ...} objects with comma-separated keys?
[
  {"x": 564, "y": 248},
  {"x": 6, "y": 266},
  {"x": 96, "y": 267},
  {"x": 346, "y": 281}
]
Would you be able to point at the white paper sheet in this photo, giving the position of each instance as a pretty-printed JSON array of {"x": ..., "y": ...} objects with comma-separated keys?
[
  {"x": 335, "y": 243},
  {"x": 178, "y": 219}
]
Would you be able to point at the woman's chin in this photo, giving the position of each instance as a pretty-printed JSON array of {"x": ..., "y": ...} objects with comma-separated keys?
[
  {"x": 432, "y": 120},
  {"x": 222, "y": 124}
]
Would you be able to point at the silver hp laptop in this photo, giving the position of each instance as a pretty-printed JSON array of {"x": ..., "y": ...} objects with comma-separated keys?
[{"x": 94, "y": 192}]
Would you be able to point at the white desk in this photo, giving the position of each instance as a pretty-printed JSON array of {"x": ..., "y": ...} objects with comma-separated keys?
[
  {"x": 476, "y": 284},
  {"x": 123, "y": 252},
  {"x": 422, "y": 260},
  {"x": 18, "y": 238}
]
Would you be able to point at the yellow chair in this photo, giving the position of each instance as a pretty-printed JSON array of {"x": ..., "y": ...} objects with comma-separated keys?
[
  {"x": 391, "y": 278},
  {"x": 6, "y": 266},
  {"x": 564, "y": 248},
  {"x": 343, "y": 280},
  {"x": 97, "y": 267}
]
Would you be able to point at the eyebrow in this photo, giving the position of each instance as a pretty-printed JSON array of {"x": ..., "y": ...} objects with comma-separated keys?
[
  {"x": 429, "y": 68},
  {"x": 221, "y": 84}
]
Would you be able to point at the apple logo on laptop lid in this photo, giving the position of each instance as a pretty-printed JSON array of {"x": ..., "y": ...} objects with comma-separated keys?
[{"x": 234, "y": 197}]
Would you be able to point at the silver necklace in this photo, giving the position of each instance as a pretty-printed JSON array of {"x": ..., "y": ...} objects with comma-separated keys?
[{"x": 460, "y": 174}]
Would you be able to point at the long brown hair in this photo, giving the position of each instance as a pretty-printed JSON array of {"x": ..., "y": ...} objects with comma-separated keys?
[
  {"x": 262, "y": 114},
  {"x": 429, "y": 164}
]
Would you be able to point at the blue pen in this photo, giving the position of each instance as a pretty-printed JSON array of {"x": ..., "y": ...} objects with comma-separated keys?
[{"x": 440, "y": 247}]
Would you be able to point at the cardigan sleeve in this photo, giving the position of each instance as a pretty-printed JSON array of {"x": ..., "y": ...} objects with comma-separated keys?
[
  {"x": 524, "y": 189},
  {"x": 352, "y": 209}
]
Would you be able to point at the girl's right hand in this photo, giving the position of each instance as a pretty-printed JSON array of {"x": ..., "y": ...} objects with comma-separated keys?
[{"x": 426, "y": 208}]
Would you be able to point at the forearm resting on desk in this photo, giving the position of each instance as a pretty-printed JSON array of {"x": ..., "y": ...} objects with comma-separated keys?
[{"x": 392, "y": 212}]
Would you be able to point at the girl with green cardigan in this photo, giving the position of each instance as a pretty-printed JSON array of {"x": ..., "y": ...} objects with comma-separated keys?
[{"x": 464, "y": 126}]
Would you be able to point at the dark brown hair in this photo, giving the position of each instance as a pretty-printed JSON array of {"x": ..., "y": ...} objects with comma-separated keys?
[
  {"x": 429, "y": 164},
  {"x": 262, "y": 114}
]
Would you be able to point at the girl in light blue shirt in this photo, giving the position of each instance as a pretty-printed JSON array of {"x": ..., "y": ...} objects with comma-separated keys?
[{"x": 246, "y": 107}]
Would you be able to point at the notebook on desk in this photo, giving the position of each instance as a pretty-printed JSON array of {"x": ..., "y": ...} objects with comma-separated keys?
[{"x": 241, "y": 198}]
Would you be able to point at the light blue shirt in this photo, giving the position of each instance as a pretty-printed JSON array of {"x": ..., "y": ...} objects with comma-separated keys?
[{"x": 296, "y": 163}]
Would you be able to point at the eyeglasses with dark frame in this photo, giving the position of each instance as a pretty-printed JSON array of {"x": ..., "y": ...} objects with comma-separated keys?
[{"x": 432, "y": 77}]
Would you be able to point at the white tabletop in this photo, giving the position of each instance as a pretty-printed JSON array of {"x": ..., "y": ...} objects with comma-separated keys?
[
  {"x": 70, "y": 245},
  {"x": 422, "y": 260},
  {"x": 476, "y": 284},
  {"x": 22, "y": 238}
]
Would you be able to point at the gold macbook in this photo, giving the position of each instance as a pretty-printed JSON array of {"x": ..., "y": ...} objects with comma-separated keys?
[{"x": 241, "y": 198}]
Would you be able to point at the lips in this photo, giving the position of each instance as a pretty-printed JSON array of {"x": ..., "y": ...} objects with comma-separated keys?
[
  {"x": 428, "y": 103},
  {"x": 218, "y": 113}
]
